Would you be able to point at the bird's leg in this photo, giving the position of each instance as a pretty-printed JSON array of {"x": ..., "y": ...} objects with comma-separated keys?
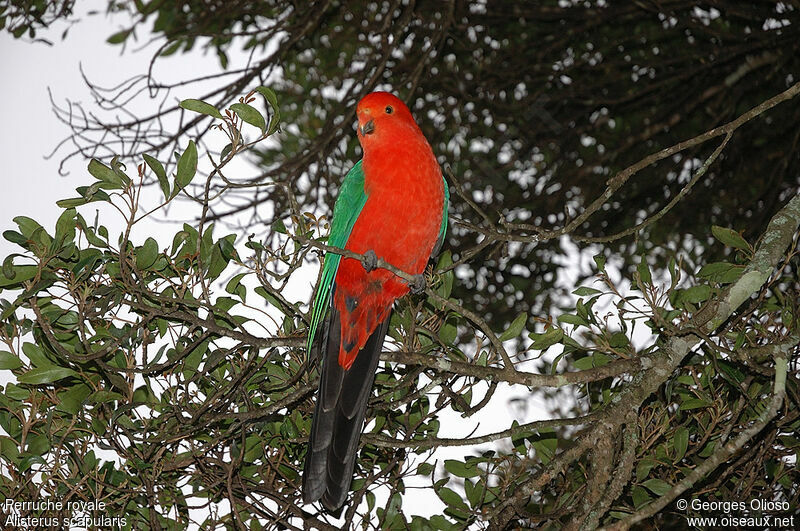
[
  {"x": 417, "y": 284},
  {"x": 369, "y": 260}
]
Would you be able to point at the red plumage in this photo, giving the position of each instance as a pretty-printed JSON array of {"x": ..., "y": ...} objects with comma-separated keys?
[{"x": 400, "y": 221}]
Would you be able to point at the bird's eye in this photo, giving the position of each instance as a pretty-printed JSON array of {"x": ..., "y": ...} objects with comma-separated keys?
[{"x": 389, "y": 109}]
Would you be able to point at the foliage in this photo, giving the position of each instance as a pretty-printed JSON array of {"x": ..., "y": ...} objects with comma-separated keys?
[
  {"x": 168, "y": 378},
  {"x": 24, "y": 18}
]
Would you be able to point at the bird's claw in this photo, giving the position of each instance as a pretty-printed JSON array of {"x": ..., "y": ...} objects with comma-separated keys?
[
  {"x": 417, "y": 284},
  {"x": 369, "y": 260}
]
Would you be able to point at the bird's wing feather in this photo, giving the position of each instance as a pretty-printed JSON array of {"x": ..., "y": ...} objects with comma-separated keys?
[
  {"x": 443, "y": 228},
  {"x": 345, "y": 213}
]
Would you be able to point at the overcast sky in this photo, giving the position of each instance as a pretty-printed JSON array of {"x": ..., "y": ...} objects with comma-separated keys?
[
  {"x": 30, "y": 184},
  {"x": 30, "y": 130}
]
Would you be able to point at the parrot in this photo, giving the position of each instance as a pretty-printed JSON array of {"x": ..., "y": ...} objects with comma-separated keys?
[{"x": 392, "y": 205}]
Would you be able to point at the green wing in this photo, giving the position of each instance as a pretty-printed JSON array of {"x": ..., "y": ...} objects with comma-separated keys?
[
  {"x": 443, "y": 228},
  {"x": 345, "y": 212}
]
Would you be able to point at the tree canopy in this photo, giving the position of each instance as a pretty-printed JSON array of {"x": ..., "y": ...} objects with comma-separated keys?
[{"x": 625, "y": 221}]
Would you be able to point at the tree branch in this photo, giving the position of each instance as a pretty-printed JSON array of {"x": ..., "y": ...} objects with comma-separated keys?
[
  {"x": 495, "y": 374},
  {"x": 722, "y": 454}
]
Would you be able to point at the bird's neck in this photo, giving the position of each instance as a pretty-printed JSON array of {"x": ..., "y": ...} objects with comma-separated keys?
[{"x": 400, "y": 166}]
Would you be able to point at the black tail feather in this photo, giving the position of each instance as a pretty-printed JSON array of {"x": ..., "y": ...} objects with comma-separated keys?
[{"x": 339, "y": 415}]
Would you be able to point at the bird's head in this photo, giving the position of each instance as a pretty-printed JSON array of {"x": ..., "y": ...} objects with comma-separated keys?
[{"x": 382, "y": 115}]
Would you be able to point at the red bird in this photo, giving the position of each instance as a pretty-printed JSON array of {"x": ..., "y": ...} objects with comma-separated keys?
[{"x": 392, "y": 205}]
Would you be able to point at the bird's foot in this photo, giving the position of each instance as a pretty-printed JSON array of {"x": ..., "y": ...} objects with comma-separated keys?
[
  {"x": 369, "y": 260},
  {"x": 417, "y": 284}
]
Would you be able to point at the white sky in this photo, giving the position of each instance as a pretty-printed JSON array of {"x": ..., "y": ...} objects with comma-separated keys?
[{"x": 29, "y": 130}]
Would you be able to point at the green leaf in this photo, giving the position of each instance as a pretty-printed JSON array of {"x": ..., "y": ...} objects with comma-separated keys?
[
  {"x": 597, "y": 359},
  {"x": 72, "y": 202},
  {"x": 36, "y": 355},
  {"x": 15, "y": 237},
  {"x": 8, "y": 448},
  {"x": 21, "y": 274},
  {"x": 515, "y": 328},
  {"x": 640, "y": 496},
  {"x": 119, "y": 37},
  {"x": 644, "y": 467},
  {"x": 695, "y": 294},
  {"x": 585, "y": 291},
  {"x": 474, "y": 492},
  {"x": 272, "y": 99},
  {"x": 370, "y": 500},
  {"x": 172, "y": 48},
  {"x": 161, "y": 174},
  {"x": 105, "y": 174},
  {"x": 721, "y": 272},
  {"x": 448, "y": 333},
  {"x": 269, "y": 95},
  {"x": 228, "y": 248},
  {"x": 694, "y": 403},
  {"x": 37, "y": 444},
  {"x": 119, "y": 170},
  {"x": 730, "y": 371},
  {"x": 619, "y": 340},
  {"x": 9, "y": 360},
  {"x": 19, "y": 30},
  {"x": 547, "y": 339},
  {"x": 730, "y": 237},
  {"x": 187, "y": 166},
  {"x": 65, "y": 226},
  {"x": 424, "y": 469},
  {"x": 545, "y": 446},
  {"x": 461, "y": 469},
  {"x": 27, "y": 226},
  {"x": 46, "y": 375},
  {"x": 270, "y": 298},
  {"x": 225, "y": 303},
  {"x": 146, "y": 255},
  {"x": 249, "y": 114},
  {"x": 201, "y": 107},
  {"x": 680, "y": 442},
  {"x": 572, "y": 319},
  {"x": 278, "y": 226},
  {"x": 659, "y": 487},
  {"x": 225, "y": 151},
  {"x": 708, "y": 449},
  {"x": 16, "y": 392},
  {"x": 450, "y": 498},
  {"x": 93, "y": 192},
  {"x": 73, "y": 398},
  {"x": 90, "y": 233},
  {"x": 600, "y": 261},
  {"x": 217, "y": 262},
  {"x": 393, "y": 512},
  {"x": 8, "y": 267},
  {"x": 644, "y": 271},
  {"x": 233, "y": 284},
  {"x": 445, "y": 261},
  {"x": 223, "y": 59}
]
